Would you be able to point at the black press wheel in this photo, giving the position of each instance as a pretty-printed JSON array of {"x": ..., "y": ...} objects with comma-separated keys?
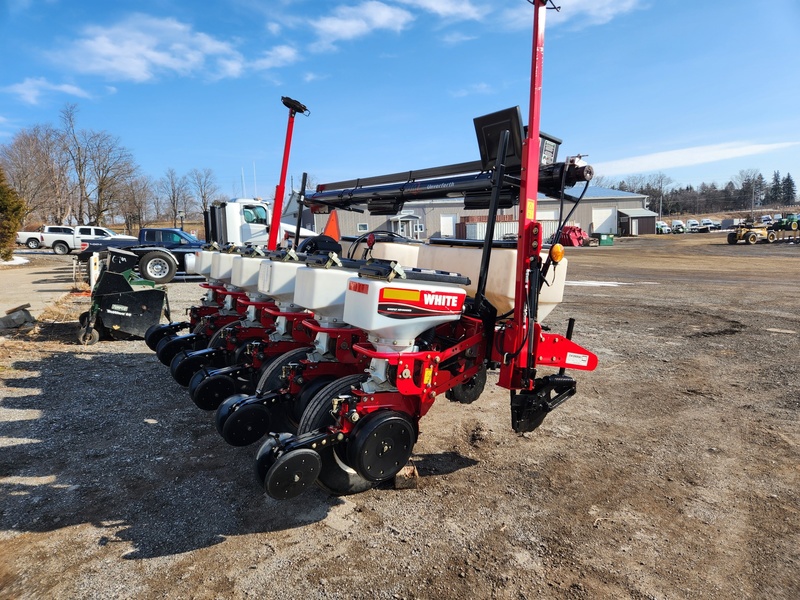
[
  {"x": 732, "y": 238},
  {"x": 751, "y": 238},
  {"x": 771, "y": 237},
  {"x": 208, "y": 392},
  {"x": 246, "y": 425},
  {"x": 381, "y": 445},
  {"x": 157, "y": 266},
  {"x": 292, "y": 473},
  {"x": 336, "y": 476}
]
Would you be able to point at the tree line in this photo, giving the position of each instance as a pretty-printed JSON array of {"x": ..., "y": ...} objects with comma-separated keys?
[
  {"x": 746, "y": 191},
  {"x": 70, "y": 175}
]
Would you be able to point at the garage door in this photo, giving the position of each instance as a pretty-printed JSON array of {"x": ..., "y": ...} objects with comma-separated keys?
[{"x": 604, "y": 220}]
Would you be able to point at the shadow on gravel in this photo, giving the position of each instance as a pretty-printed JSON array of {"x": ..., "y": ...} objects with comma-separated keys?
[{"x": 103, "y": 435}]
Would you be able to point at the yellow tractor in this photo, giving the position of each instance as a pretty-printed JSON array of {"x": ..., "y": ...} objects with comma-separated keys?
[{"x": 751, "y": 233}]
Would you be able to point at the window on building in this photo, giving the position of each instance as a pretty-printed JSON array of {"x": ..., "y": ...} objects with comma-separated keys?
[{"x": 362, "y": 227}]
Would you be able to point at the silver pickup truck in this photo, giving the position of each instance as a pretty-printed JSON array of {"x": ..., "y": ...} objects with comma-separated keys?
[{"x": 64, "y": 239}]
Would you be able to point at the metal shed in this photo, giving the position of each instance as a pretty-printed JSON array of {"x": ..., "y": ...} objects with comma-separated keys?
[{"x": 636, "y": 221}]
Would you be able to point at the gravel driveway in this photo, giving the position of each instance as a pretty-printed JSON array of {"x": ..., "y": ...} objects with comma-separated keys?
[{"x": 673, "y": 473}]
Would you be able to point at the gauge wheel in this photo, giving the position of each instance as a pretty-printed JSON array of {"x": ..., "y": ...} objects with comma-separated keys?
[{"x": 336, "y": 476}]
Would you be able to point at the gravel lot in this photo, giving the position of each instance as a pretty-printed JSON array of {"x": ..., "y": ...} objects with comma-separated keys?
[{"x": 673, "y": 473}]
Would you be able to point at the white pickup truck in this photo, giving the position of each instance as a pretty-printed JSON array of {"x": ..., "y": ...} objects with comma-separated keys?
[{"x": 64, "y": 239}]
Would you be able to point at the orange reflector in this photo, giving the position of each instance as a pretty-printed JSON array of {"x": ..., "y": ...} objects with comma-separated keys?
[{"x": 556, "y": 253}]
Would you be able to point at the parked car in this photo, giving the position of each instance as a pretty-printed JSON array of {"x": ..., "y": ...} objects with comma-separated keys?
[
  {"x": 692, "y": 225},
  {"x": 63, "y": 239},
  {"x": 662, "y": 227},
  {"x": 678, "y": 226},
  {"x": 710, "y": 224}
]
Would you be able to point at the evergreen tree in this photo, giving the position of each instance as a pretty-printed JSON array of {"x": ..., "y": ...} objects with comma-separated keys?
[
  {"x": 774, "y": 191},
  {"x": 788, "y": 190},
  {"x": 11, "y": 211}
]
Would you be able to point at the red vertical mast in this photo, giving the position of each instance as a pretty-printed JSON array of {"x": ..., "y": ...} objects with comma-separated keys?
[
  {"x": 294, "y": 107},
  {"x": 530, "y": 239}
]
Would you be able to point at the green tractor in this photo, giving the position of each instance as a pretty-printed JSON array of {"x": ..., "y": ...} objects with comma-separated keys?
[
  {"x": 787, "y": 223},
  {"x": 750, "y": 233}
]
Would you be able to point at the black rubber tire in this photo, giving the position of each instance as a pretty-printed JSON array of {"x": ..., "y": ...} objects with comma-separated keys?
[
  {"x": 771, "y": 237},
  {"x": 88, "y": 338},
  {"x": 732, "y": 239},
  {"x": 33, "y": 243},
  {"x": 83, "y": 319},
  {"x": 793, "y": 226},
  {"x": 168, "y": 348},
  {"x": 156, "y": 333},
  {"x": 336, "y": 477},
  {"x": 158, "y": 266},
  {"x": 469, "y": 391},
  {"x": 310, "y": 389},
  {"x": 60, "y": 248},
  {"x": 751, "y": 238},
  {"x": 184, "y": 366}
]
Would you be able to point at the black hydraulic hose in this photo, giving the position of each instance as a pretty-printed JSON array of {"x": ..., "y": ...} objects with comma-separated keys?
[
  {"x": 557, "y": 236},
  {"x": 300, "y": 199},
  {"x": 499, "y": 174}
]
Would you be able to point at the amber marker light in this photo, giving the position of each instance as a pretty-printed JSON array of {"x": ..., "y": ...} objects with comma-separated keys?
[{"x": 556, "y": 253}]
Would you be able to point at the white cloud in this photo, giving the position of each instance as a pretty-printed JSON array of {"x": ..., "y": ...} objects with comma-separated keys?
[
  {"x": 590, "y": 12},
  {"x": 473, "y": 90},
  {"x": 279, "y": 56},
  {"x": 449, "y": 9},
  {"x": 141, "y": 47},
  {"x": 350, "y": 22},
  {"x": 31, "y": 90},
  {"x": 457, "y": 38},
  {"x": 576, "y": 13},
  {"x": 685, "y": 157}
]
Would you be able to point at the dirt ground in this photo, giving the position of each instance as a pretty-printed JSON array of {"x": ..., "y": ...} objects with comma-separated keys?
[{"x": 673, "y": 473}]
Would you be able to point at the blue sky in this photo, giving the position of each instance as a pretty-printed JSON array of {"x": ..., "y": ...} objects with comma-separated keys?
[{"x": 697, "y": 90}]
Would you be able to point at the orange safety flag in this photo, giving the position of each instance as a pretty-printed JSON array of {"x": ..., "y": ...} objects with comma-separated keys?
[{"x": 332, "y": 226}]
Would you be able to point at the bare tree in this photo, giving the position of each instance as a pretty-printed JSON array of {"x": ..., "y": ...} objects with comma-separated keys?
[
  {"x": 175, "y": 190},
  {"x": 137, "y": 203},
  {"x": 38, "y": 170},
  {"x": 204, "y": 185},
  {"x": 75, "y": 143},
  {"x": 110, "y": 168}
]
